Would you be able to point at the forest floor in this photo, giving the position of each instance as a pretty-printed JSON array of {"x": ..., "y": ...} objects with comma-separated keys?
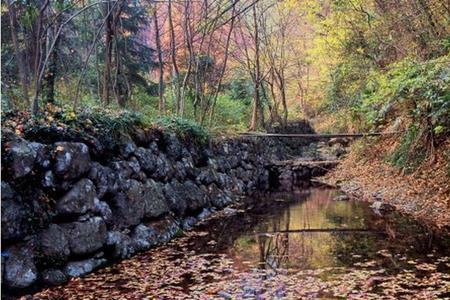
[{"x": 424, "y": 193}]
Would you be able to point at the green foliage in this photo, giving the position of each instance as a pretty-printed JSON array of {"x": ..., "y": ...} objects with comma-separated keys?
[
  {"x": 184, "y": 128},
  {"x": 410, "y": 153},
  {"x": 114, "y": 121},
  {"x": 241, "y": 89},
  {"x": 424, "y": 88},
  {"x": 231, "y": 115},
  {"x": 416, "y": 90}
]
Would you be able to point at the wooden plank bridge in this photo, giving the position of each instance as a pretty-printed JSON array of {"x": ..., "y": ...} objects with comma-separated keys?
[{"x": 317, "y": 136}]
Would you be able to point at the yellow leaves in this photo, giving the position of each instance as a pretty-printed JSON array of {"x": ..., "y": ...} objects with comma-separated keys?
[
  {"x": 59, "y": 148},
  {"x": 70, "y": 116}
]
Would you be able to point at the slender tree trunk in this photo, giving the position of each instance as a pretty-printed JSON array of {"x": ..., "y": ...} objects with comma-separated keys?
[
  {"x": 162, "y": 101},
  {"x": 108, "y": 55},
  {"x": 282, "y": 87},
  {"x": 53, "y": 61},
  {"x": 39, "y": 54},
  {"x": 224, "y": 67},
  {"x": 175, "y": 71},
  {"x": 51, "y": 76},
  {"x": 189, "y": 42},
  {"x": 20, "y": 60},
  {"x": 256, "y": 112}
]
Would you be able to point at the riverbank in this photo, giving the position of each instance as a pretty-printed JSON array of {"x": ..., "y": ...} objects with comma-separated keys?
[{"x": 424, "y": 194}]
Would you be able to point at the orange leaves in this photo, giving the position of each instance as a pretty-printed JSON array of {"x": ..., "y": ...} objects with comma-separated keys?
[{"x": 424, "y": 193}]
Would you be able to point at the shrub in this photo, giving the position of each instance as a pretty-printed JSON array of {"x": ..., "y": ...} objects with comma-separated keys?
[{"x": 185, "y": 129}]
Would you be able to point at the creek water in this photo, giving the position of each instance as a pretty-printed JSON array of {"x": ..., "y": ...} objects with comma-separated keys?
[{"x": 299, "y": 245}]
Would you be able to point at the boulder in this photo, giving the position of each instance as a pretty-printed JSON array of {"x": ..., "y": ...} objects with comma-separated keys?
[
  {"x": 85, "y": 237},
  {"x": 126, "y": 145},
  {"x": 164, "y": 168},
  {"x": 53, "y": 277},
  {"x": 165, "y": 229},
  {"x": 128, "y": 205},
  {"x": 207, "y": 176},
  {"x": 188, "y": 223},
  {"x": 205, "y": 213},
  {"x": 122, "y": 170},
  {"x": 71, "y": 160},
  {"x": 21, "y": 157},
  {"x": 213, "y": 164},
  {"x": 120, "y": 244},
  {"x": 14, "y": 214},
  {"x": 102, "y": 208},
  {"x": 218, "y": 197},
  {"x": 143, "y": 237},
  {"x": 147, "y": 160},
  {"x": 180, "y": 171},
  {"x": 49, "y": 180},
  {"x": 188, "y": 165},
  {"x": 234, "y": 161},
  {"x": 239, "y": 186},
  {"x": 174, "y": 195},
  {"x": 103, "y": 178},
  {"x": 83, "y": 267},
  {"x": 20, "y": 270},
  {"x": 133, "y": 163},
  {"x": 224, "y": 181},
  {"x": 195, "y": 197},
  {"x": 155, "y": 203},
  {"x": 43, "y": 155},
  {"x": 224, "y": 164},
  {"x": 79, "y": 200},
  {"x": 53, "y": 245},
  {"x": 173, "y": 146}
]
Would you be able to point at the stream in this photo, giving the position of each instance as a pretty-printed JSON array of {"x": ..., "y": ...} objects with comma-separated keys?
[{"x": 297, "y": 245}]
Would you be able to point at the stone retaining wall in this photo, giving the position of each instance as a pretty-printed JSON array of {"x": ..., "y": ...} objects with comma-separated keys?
[{"x": 69, "y": 207}]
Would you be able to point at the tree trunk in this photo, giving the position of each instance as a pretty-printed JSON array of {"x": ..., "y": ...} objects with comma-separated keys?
[
  {"x": 20, "y": 60},
  {"x": 224, "y": 67},
  {"x": 257, "y": 108},
  {"x": 175, "y": 71},
  {"x": 162, "y": 102},
  {"x": 108, "y": 54}
]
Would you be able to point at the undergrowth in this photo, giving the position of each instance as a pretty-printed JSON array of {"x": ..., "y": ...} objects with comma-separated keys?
[
  {"x": 411, "y": 151},
  {"x": 185, "y": 129},
  {"x": 409, "y": 89},
  {"x": 100, "y": 122}
]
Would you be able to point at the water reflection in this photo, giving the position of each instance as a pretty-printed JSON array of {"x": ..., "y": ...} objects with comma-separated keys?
[
  {"x": 315, "y": 231},
  {"x": 285, "y": 246}
]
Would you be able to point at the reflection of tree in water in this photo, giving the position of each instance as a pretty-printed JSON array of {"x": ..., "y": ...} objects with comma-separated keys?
[
  {"x": 268, "y": 235},
  {"x": 274, "y": 248},
  {"x": 284, "y": 248}
]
